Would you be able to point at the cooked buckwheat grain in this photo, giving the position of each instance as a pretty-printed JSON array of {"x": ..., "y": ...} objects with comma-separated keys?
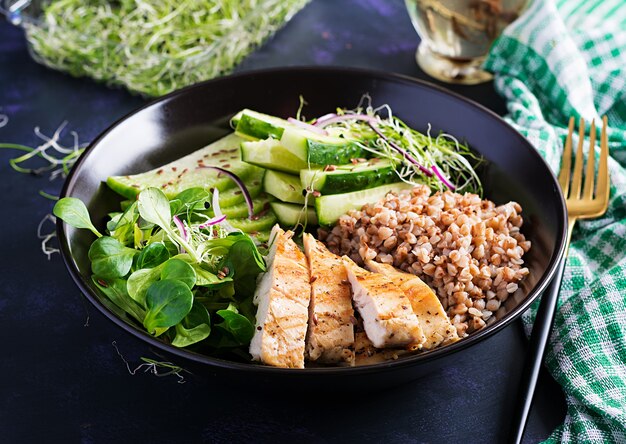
[{"x": 467, "y": 249}]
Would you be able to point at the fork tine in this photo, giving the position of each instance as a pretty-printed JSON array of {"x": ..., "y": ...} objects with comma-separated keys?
[
  {"x": 566, "y": 160},
  {"x": 577, "y": 179},
  {"x": 590, "y": 172},
  {"x": 602, "y": 192}
]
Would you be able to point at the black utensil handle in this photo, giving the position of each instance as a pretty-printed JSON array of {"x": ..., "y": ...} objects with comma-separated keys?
[{"x": 534, "y": 357}]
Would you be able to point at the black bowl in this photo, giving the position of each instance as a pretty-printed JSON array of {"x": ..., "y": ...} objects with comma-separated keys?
[{"x": 189, "y": 119}]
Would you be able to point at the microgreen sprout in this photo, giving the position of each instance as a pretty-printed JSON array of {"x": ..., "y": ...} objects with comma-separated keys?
[
  {"x": 157, "y": 368},
  {"x": 47, "y": 237},
  {"x": 59, "y": 158},
  {"x": 440, "y": 162}
]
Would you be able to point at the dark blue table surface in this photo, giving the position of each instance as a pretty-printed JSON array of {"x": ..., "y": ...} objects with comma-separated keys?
[{"x": 61, "y": 377}]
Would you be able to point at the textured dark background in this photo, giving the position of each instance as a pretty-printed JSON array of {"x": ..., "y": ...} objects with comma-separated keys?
[{"x": 61, "y": 378}]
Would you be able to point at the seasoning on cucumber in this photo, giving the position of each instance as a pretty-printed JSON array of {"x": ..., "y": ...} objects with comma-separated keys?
[
  {"x": 184, "y": 173},
  {"x": 285, "y": 187},
  {"x": 254, "y": 185}
]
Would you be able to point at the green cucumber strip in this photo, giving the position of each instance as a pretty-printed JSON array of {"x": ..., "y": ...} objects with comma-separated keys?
[
  {"x": 272, "y": 155},
  {"x": 185, "y": 173},
  {"x": 331, "y": 207},
  {"x": 283, "y": 186},
  {"x": 255, "y": 125},
  {"x": 347, "y": 178},
  {"x": 290, "y": 215},
  {"x": 254, "y": 184},
  {"x": 258, "y": 223},
  {"x": 314, "y": 149},
  {"x": 241, "y": 209}
]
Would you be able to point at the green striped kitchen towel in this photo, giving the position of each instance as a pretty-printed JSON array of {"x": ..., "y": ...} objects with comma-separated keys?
[{"x": 568, "y": 58}]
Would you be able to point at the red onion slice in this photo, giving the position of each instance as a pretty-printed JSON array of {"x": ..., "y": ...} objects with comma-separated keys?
[
  {"x": 307, "y": 126},
  {"x": 240, "y": 184},
  {"x": 329, "y": 119}
]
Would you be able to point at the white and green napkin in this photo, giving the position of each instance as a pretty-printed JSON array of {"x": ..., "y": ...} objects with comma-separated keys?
[{"x": 568, "y": 58}]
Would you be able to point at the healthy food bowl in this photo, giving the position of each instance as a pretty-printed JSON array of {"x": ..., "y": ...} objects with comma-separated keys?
[{"x": 187, "y": 120}]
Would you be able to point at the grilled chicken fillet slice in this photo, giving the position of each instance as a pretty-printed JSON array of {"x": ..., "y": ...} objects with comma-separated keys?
[
  {"x": 435, "y": 324},
  {"x": 387, "y": 315},
  {"x": 330, "y": 338},
  {"x": 366, "y": 354},
  {"x": 282, "y": 296}
]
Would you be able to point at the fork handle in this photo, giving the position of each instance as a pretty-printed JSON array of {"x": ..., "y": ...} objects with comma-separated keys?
[{"x": 534, "y": 357}]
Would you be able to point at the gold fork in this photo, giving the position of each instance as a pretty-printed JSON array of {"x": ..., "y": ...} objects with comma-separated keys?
[
  {"x": 582, "y": 203},
  {"x": 585, "y": 205}
]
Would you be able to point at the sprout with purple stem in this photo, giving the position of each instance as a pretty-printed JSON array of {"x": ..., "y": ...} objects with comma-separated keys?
[
  {"x": 443, "y": 178},
  {"x": 213, "y": 221},
  {"x": 182, "y": 230}
]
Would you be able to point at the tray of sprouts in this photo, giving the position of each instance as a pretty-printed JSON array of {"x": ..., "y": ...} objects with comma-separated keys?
[{"x": 151, "y": 48}]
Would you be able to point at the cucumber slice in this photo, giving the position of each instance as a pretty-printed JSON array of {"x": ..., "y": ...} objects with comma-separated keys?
[
  {"x": 346, "y": 178},
  {"x": 184, "y": 173},
  {"x": 330, "y": 207},
  {"x": 241, "y": 209},
  {"x": 261, "y": 236},
  {"x": 259, "y": 223},
  {"x": 317, "y": 149},
  {"x": 307, "y": 145},
  {"x": 290, "y": 215},
  {"x": 285, "y": 187},
  {"x": 255, "y": 125},
  {"x": 272, "y": 155},
  {"x": 254, "y": 184}
]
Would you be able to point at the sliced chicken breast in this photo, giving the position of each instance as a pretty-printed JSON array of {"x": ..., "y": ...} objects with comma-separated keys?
[
  {"x": 387, "y": 315},
  {"x": 433, "y": 319},
  {"x": 282, "y": 296},
  {"x": 366, "y": 354},
  {"x": 330, "y": 338}
]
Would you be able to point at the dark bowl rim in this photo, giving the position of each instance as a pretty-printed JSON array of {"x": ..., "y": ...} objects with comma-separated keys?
[{"x": 433, "y": 355}]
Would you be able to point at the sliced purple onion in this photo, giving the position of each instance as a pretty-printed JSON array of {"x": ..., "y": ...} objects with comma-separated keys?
[
  {"x": 307, "y": 126},
  {"x": 213, "y": 221},
  {"x": 443, "y": 178},
  {"x": 329, "y": 119},
  {"x": 240, "y": 184},
  {"x": 181, "y": 228},
  {"x": 322, "y": 118}
]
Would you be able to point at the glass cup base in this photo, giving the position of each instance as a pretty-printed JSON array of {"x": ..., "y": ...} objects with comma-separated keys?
[{"x": 449, "y": 70}]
